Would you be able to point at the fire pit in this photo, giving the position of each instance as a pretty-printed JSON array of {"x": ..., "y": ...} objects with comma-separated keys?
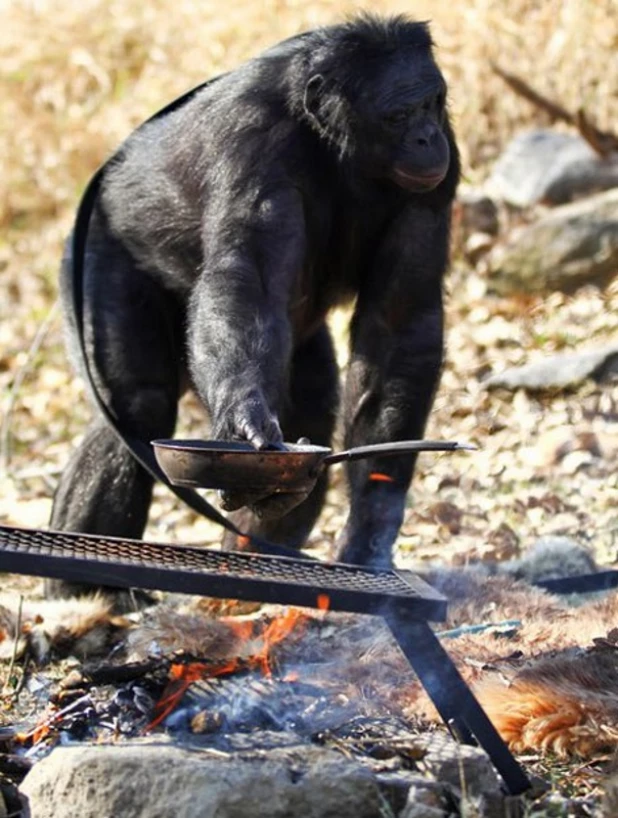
[{"x": 404, "y": 601}]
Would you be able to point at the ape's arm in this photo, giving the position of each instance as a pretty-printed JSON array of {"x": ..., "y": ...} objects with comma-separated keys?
[
  {"x": 239, "y": 344},
  {"x": 239, "y": 334}
]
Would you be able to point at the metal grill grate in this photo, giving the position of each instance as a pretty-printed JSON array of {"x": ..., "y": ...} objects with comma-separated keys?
[{"x": 121, "y": 562}]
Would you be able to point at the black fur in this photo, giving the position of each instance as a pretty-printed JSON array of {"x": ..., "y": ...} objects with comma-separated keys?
[{"x": 320, "y": 171}]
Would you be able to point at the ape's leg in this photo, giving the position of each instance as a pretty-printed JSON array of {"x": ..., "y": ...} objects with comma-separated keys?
[
  {"x": 397, "y": 347},
  {"x": 103, "y": 490},
  {"x": 310, "y": 412},
  {"x": 131, "y": 342}
]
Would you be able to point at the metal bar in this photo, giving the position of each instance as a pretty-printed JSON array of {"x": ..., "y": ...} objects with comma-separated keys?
[
  {"x": 453, "y": 698},
  {"x": 581, "y": 584},
  {"x": 136, "y": 563}
]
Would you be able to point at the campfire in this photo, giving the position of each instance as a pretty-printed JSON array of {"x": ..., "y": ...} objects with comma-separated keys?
[
  {"x": 260, "y": 681},
  {"x": 236, "y": 679},
  {"x": 264, "y": 674},
  {"x": 265, "y": 681}
]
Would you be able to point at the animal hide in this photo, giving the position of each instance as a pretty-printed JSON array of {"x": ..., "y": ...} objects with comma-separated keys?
[
  {"x": 81, "y": 627},
  {"x": 553, "y": 685}
]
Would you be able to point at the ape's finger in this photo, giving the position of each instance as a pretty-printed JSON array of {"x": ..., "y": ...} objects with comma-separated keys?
[
  {"x": 262, "y": 433},
  {"x": 233, "y": 500},
  {"x": 277, "y": 505}
]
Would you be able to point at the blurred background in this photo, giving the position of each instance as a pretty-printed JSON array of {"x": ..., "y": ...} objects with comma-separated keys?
[{"x": 76, "y": 79}]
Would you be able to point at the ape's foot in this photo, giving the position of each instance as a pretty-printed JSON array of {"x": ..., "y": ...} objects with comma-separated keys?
[
  {"x": 367, "y": 554},
  {"x": 370, "y": 545}
]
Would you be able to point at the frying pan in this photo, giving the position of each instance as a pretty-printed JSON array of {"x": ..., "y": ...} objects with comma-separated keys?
[{"x": 288, "y": 467}]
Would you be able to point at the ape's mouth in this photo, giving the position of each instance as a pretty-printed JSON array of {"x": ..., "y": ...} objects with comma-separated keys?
[{"x": 415, "y": 181}]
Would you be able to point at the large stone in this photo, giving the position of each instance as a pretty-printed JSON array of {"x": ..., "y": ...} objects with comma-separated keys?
[
  {"x": 160, "y": 781},
  {"x": 571, "y": 246},
  {"x": 550, "y": 167},
  {"x": 551, "y": 557},
  {"x": 464, "y": 768},
  {"x": 476, "y": 212},
  {"x": 556, "y": 373},
  {"x": 426, "y": 799},
  {"x": 470, "y": 775}
]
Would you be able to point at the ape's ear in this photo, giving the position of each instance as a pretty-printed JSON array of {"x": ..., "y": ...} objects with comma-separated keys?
[{"x": 313, "y": 90}]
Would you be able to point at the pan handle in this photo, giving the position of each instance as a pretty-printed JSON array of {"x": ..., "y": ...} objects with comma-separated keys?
[{"x": 399, "y": 447}]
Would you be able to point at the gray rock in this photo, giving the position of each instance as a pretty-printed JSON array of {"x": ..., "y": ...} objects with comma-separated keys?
[
  {"x": 426, "y": 799},
  {"x": 571, "y": 246},
  {"x": 470, "y": 775},
  {"x": 395, "y": 785},
  {"x": 461, "y": 766},
  {"x": 477, "y": 212},
  {"x": 551, "y": 557},
  {"x": 149, "y": 781},
  {"x": 564, "y": 371},
  {"x": 554, "y": 168},
  {"x": 421, "y": 810}
]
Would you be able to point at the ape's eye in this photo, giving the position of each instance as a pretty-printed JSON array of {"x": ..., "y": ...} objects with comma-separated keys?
[{"x": 396, "y": 117}]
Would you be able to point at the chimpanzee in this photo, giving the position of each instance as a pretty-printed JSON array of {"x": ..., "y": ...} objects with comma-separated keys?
[{"x": 319, "y": 172}]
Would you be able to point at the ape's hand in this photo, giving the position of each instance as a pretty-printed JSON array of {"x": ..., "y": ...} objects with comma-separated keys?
[{"x": 267, "y": 506}]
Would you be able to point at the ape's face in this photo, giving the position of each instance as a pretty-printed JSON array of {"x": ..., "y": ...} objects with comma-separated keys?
[
  {"x": 391, "y": 121},
  {"x": 407, "y": 117}
]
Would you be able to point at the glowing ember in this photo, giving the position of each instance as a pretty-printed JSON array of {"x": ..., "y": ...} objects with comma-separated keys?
[
  {"x": 323, "y": 602},
  {"x": 379, "y": 477},
  {"x": 259, "y": 644}
]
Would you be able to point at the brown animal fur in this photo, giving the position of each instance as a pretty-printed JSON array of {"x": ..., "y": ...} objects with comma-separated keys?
[
  {"x": 547, "y": 688},
  {"x": 81, "y": 627},
  {"x": 566, "y": 704}
]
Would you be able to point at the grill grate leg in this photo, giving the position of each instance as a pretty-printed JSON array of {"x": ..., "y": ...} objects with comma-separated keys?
[{"x": 453, "y": 698}]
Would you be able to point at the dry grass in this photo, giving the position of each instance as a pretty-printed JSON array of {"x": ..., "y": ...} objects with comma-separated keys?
[{"x": 76, "y": 78}]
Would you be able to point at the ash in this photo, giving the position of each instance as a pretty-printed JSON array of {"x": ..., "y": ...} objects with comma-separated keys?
[{"x": 239, "y": 713}]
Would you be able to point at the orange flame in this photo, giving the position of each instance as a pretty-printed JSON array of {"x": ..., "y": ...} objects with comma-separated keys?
[
  {"x": 43, "y": 728},
  {"x": 323, "y": 602},
  {"x": 276, "y": 632},
  {"x": 182, "y": 675},
  {"x": 181, "y": 678}
]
